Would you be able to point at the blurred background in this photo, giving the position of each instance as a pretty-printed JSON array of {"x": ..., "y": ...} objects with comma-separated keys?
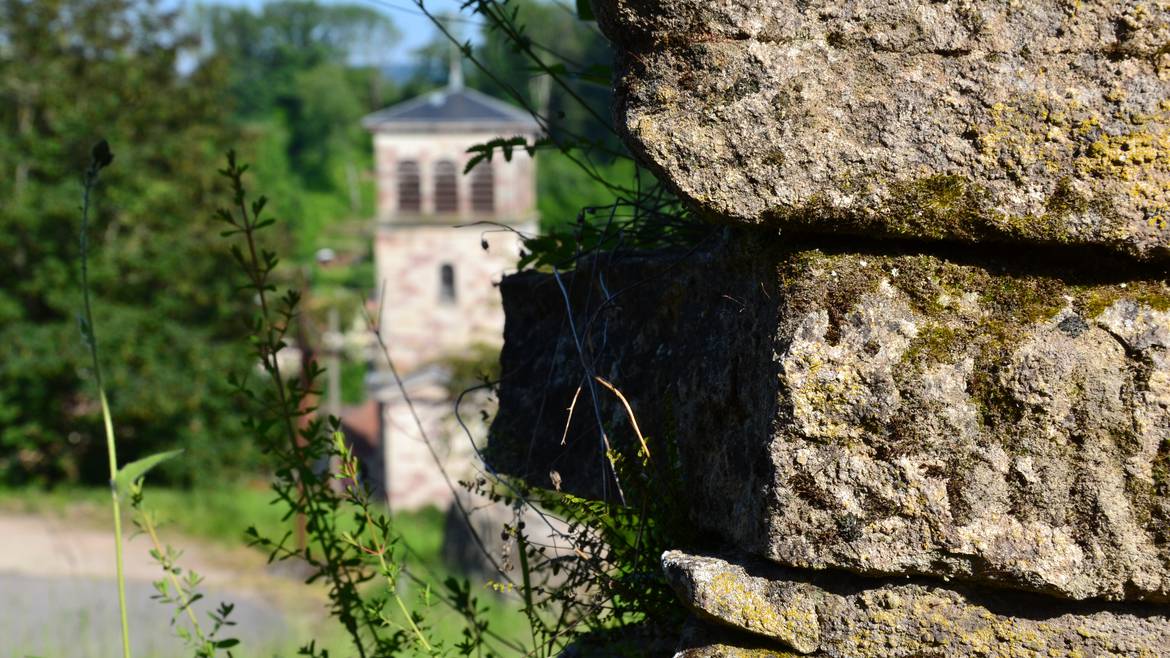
[{"x": 360, "y": 122}]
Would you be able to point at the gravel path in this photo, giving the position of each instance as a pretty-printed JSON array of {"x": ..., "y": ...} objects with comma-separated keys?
[
  {"x": 75, "y": 617},
  {"x": 58, "y": 596}
]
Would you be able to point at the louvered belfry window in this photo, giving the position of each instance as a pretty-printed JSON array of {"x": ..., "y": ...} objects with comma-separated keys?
[
  {"x": 483, "y": 189},
  {"x": 446, "y": 187},
  {"x": 409, "y": 190}
]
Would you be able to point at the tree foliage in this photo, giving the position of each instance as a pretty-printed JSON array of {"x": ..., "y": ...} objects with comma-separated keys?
[
  {"x": 72, "y": 71},
  {"x": 293, "y": 62}
]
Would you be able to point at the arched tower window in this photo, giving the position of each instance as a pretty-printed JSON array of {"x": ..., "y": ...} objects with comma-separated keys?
[
  {"x": 446, "y": 187},
  {"x": 409, "y": 192},
  {"x": 447, "y": 283},
  {"x": 483, "y": 188}
]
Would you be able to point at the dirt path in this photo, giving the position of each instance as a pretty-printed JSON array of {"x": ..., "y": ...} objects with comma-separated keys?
[
  {"x": 63, "y": 547},
  {"x": 58, "y": 597}
]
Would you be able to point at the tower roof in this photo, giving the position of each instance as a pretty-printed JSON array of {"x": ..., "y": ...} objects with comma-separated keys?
[{"x": 453, "y": 108}]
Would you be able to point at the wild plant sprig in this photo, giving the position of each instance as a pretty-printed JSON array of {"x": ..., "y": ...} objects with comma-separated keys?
[
  {"x": 179, "y": 588},
  {"x": 283, "y": 420},
  {"x": 126, "y": 482},
  {"x": 380, "y": 543}
]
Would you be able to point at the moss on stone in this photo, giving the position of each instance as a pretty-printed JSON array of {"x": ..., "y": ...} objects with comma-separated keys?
[
  {"x": 1094, "y": 300},
  {"x": 935, "y": 343},
  {"x": 940, "y": 206},
  {"x": 1161, "y": 471}
]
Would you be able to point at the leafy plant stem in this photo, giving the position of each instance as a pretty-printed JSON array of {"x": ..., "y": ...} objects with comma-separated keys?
[
  {"x": 147, "y": 523},
  {"x": 529, "y": 609},
  {"x": 311, "y": 498},
  {"x": 349, "y": 471}
]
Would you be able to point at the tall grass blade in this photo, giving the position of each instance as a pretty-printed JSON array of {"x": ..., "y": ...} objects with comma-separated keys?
[{"x": 101, "y": 158}]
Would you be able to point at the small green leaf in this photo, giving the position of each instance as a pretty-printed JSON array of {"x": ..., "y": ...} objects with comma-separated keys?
[
  {"x": 135, "y": 470},
  {"x": 585, "y": 11},
  {"x": 476, "y": 159}
]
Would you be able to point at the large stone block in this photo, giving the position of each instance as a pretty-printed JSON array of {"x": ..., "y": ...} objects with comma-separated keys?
[
  {"x": 833, "y": 615},
  {"x": 998, "y": 416},
  {"x": 1045, "y": 121}
]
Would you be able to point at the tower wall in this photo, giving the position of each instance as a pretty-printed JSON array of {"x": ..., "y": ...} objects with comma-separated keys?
[{"x": 416, "y": 321}]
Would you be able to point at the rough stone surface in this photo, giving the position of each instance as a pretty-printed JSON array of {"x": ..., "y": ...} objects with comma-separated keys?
[
  {"x": 837, "y": 615},
  {"x": 1045, "y": 121},
  {"x": 725, "y": 593},
  {"x": 956, "y": 415}
]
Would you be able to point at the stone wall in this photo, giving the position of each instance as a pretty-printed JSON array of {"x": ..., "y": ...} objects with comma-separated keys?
[{"x": 919, "y": 389}]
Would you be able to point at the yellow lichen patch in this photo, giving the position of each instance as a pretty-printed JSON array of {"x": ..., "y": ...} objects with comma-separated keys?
[
  {"x": 1140, "y": 158},
  {"x": 729, "y": 598},
  {"x": 1063, "y": 137},
  {"x": 1011, "y": 139},
  {"x": 726, "y": 651}
]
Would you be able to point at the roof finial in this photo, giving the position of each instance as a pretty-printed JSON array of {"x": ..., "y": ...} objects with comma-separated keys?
[{"x": 455, "y": 71}]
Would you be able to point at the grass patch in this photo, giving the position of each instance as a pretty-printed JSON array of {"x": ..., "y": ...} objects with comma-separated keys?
[{"x": 217, "y": 515}]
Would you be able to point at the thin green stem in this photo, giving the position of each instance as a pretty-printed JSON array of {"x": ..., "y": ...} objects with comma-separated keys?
[
  {"x": 91, "y": 177},
  {"x": 410, "y": 620},
  {"x": 117, "y": 511}
]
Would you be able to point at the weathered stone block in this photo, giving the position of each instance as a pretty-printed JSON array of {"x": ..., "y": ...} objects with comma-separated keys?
[
  {"x": 708, "y": 640},
  {"x": 846, "y": 617},
  {"x": 1000, "y": 416},
  {"x": 1045, "y": 121}
]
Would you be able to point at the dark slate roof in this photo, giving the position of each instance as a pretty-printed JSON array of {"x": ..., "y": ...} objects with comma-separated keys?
[{"x": 450, "y": 108}]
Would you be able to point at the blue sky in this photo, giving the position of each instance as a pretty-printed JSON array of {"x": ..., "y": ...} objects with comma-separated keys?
[{"x": 416, "y": 28}]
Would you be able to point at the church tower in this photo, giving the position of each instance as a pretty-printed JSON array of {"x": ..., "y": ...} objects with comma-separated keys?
[
  {"x": 443, "y": 240},
  {"x": 435, "y": 279}
]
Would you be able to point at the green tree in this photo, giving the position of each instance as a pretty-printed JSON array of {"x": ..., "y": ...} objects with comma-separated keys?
[
  {"x": 72, "y": 71},
  {"x": 300, "y": 76},
  {"x": 292, "y": 62}
]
